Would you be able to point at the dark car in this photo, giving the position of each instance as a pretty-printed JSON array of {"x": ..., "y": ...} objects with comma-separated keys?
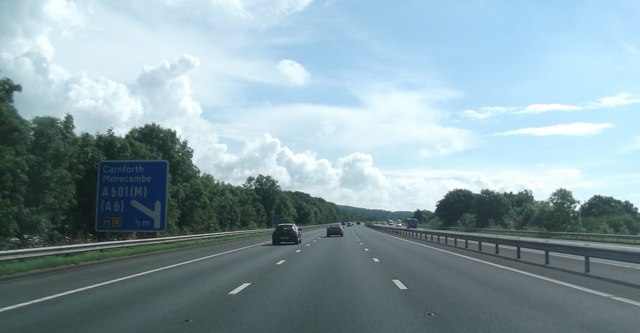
[
  {"x": 286, "y": 232},
  {"x": 335, "y": 229}
]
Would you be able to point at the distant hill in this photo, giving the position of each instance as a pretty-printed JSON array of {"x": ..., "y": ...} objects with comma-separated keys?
[{"x": 365, "y": 214}]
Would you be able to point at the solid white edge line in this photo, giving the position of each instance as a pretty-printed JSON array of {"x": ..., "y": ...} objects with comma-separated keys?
[
  {"x": 240, "y": 288},
  {"x": 280, "y": 262},
  {"x": 566, "y": 284},
  {"x": 399, "y": 284},
  {"x": 69, "y": 292}
]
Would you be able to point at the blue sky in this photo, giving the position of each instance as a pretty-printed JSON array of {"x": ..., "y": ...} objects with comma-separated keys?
[{"x": 367, "y": 103}]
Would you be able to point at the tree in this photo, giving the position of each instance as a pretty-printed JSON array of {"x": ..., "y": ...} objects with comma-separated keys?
[
  {"x": 491, "y": 209},
  {"x": 88, "y": 155},
  {"x": 268, "y": 191},
  {"x": 423, "y": 216},
  {"x": 7, "y": 88},
  {"x": 564, "y": 213},
  {"x": 14, "y": 141},
  {"x": 522, "y": 208},
  {"x": 453, "y": 206},
  {"x": 284, "y": 209},
  {"x": 51, "y": 193},
  {"x": 604, "y": 214}
]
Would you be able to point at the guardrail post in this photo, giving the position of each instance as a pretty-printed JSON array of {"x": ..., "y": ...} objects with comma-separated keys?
[
  {"x": 480, "y": 246},
  {"x": 446, "y": 240},
  {"x": 438, "y": 239},
  {"x": 455, "y": 242},
  {"x": 497, "y": 249},
  {"x": 587, "y": 265},
  {"x": 466, "y": 243},
  {"x": 518, "y": 252},
  {"x": 546, "y": 257}
]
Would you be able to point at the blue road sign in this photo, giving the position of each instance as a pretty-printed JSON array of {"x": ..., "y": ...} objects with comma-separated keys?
[{"x": 132, "y": 196}]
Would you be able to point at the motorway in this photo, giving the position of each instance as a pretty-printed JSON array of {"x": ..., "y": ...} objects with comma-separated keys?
[{"x": 366, "y": 281}]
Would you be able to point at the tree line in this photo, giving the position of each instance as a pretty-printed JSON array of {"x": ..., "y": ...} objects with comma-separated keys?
[
  {"x": 561, "y": 212},
  {"x": 48, "y": 178}
]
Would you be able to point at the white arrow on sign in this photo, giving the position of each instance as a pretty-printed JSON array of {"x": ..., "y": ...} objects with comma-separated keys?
[{"x": 154, "y": 214}]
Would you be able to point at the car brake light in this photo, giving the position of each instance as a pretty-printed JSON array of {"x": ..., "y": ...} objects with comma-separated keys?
[{"x": 293, "y": 232}]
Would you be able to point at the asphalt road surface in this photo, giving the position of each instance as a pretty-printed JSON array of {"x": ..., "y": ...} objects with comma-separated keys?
[{"x": 366, "y": 281}]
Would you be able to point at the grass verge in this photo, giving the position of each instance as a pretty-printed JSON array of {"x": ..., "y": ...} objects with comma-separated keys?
[{"x": 17, "y": 266}]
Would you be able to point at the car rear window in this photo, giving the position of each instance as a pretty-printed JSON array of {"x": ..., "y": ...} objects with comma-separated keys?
[{"x": 284, "y": 228}]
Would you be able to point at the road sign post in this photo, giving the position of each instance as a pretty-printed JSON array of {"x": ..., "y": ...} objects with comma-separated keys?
[{"x": 132, "y": 196}]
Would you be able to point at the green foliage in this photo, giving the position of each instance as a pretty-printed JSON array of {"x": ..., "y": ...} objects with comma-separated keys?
[
  {"x": 608, "y": 215},
  {"x": 268, "y": 193},
  {"x": 564, "y": 212},
  {"x": 7, "y": 88},
  {"x": 490, "y": 209},
  {"x": 423, "y": 216},
  {"x": 453, "y": 206}
]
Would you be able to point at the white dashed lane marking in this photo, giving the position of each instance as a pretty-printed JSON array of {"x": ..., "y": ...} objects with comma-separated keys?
[
  {"x": 400, "y": 285},
  {"x": 239, "y": 289}
]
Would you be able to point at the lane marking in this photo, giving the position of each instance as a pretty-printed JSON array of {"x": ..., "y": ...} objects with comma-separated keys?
[
  {"x": 240, "y": 288},
  {"x": 376, "y": 260},
  {"x": 366, "y": 249},
  {"x": 298, "y": 251},
  {"x": 399, "y": 285},
  {"x": 309, "y": 244},
  {"x": 361, "y": 243},
  {"x": 93, "y": 286},
  {"x": 544, "y": 278},
  {"x": 280, "y": 262}
]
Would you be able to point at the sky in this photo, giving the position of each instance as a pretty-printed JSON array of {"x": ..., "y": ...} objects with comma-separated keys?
[{"x": 375, "y": 104}]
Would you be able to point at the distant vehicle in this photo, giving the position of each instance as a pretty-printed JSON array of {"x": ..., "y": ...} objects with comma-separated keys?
[
  {"x": 286, "y": 232},
  {"x": 335, "y": 229},
  {"x": 412, "y": 223},
  {"x": 349, "y": 224},
  {"x": 358, "y": 223}
]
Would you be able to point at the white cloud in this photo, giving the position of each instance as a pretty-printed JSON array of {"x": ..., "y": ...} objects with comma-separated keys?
[
  {"x": 574, "y": 129},
  {"x": 605, "y": 102},
  {"x": 293, "y": 72},
  {"x": 493, "y": 111},
  {"x": 265, "y": 12},
  {"x": 542, "y": 108},
  {"x": 98, "y": 103},
  {"x": 358, "y": 172},
  {"x": 486, "y": 112},
  {"x": 613, "y": 101},
  {"x": 167, "y": 90},
  {"x": 384, "y": 121},
  {"x": 65, "y": 13}
]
